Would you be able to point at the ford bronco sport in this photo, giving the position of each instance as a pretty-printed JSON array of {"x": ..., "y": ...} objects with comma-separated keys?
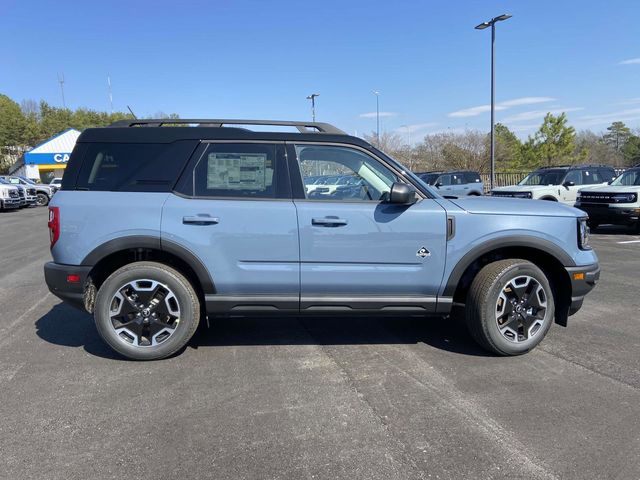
[
  {"x": 617, "y": 203},
  {"x": 558, "y": 184},
  {"x": 455, "y": 184},
  {"x": 156, "y": 227}
]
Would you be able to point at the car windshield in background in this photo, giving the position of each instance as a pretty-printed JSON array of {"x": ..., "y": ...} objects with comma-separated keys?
[
  {"x": 630, "y": 177},
  {"x": 548, "y": 177}
]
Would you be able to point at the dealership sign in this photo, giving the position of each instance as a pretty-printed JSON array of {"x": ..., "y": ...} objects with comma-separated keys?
[{"x": 46, "y": 158}]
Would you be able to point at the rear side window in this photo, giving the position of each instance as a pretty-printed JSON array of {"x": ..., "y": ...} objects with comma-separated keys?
[
  {"x": 133, "y": 167},
  {"x": 237, "y": 170},
  {"x": 592, "y": 176},
  {"x": 471, "y": 177},
  {"x": 457, "y": 179}
]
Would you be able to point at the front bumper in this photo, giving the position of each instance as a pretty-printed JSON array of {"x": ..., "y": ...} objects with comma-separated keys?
[
  {"x": 583, "y": 280},
  {"x": 619, "y": 215},
  {"x": 6, "y": 203},
  {"x": 55, "y": 275}
]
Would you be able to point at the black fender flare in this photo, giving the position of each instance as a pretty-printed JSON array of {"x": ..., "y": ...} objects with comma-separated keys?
[
  {"x": 478, "y": 251},
  {"x": 155, "y": 243}
]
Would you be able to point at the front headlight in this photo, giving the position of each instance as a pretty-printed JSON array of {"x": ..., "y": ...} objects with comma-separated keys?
[
  {"x": 624, "y": 197},
  {"x": 583, "y": 234}
]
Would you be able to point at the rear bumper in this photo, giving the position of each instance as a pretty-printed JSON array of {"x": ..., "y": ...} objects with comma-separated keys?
[
  {"x": 55, "y": 275},
  {"x": 583, "y": 280},
  {"x": 619, "y": 215}
]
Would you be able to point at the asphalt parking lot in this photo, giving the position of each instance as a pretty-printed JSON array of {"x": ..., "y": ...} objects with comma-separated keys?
[{"x": 316, "y": 398}]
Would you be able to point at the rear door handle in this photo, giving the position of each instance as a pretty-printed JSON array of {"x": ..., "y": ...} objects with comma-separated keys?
[
  {"x": 200, "y": 220},
  {"x": 329, "y": 221}
]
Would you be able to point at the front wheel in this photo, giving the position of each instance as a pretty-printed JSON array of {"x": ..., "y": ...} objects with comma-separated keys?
[
  {"x": 146, "y": 311},
  {"x": 42, "y": 200},
  {"x": 510, "y": 307}
]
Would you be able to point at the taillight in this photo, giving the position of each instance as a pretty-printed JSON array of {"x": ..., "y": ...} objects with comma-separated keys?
[{"x": 54, "y": 225}]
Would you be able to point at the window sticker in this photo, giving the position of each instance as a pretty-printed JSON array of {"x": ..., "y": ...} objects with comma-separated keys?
[{"x": 238, "y": 171}]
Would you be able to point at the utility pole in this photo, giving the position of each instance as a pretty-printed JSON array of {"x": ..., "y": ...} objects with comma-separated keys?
[
  {"x": 312, "y": 97},
  {"x": 377, "y": 94},
  {"x": 110, "y": 93},
  {"x": 61, "y": 81},
  {"x": 492, "y": 23}
]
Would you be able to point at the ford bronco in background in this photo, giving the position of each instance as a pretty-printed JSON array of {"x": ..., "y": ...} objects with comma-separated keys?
[
  {"x": 457, "y": 183},
  {"x": 617, "y": 203},
  {"x": 156, "y": 227},
  {"x": 558, "y": 184}
]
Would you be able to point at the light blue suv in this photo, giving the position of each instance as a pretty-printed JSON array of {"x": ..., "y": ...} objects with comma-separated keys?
[{"x": 156, "y": 227}]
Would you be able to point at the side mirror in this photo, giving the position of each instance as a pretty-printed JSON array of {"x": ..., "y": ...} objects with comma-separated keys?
[
  {"x": 402, "y": 194},
  {"x": 569, "y": 184},
  {"x": 438, "y": 184}
]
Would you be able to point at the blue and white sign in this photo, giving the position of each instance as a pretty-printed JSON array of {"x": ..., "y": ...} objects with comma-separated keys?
[{"x": 55, "y": 151}]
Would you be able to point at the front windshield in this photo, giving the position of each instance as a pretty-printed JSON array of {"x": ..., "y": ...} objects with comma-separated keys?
[
  {"x": 429, "y": 178},
  {"x": 630, "y": 177},
  {"x": 28, "y": 180},
  {"x": 546, "y": 177}
]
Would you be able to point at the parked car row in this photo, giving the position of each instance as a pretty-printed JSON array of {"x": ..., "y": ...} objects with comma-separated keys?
[
  {"x": 19, "y": 192},
  {"x": 594, "y": 189}
]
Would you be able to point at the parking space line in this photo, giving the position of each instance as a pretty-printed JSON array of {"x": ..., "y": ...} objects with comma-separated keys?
[{"x": 630, "y": 241}]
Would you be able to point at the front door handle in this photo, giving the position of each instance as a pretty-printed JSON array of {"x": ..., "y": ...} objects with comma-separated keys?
[
  {"x": 329, "y": 222},
  {"x": 200, "y": 220}
]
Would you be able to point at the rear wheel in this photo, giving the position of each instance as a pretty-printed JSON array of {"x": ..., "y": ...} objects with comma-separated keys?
[
  {"x": 146, "y": 311},
  {"x": 510, "y": 307}
]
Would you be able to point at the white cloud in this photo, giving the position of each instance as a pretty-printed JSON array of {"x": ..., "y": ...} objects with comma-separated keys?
[
  {"x": 382, "y": 114},
  {"x": 631, "y": 101},
  {"x": 475, "y": 111},
  {"x": 526, "y": 101},
  {"x": 627, "y": 115},
  {"x": 416, "y": 127},
  {"x": 535, "y": 114},
  {"x": 631, "y": 61}
]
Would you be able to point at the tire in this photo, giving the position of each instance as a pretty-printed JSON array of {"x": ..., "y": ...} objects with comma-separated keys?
[
  {"x": 43, "y": 199},
  {"x": 593, "y": 225},
  {"x": 140, "y": 330},
  {"x": 489, "y": 302},
  {"x": 549, "y": 199}
]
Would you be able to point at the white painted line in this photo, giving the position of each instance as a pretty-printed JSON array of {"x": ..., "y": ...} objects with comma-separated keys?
[{"x": 630, "y": 241}]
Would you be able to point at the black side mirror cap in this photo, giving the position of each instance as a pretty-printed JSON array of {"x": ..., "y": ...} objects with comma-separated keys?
[
  {"x": 569, "y": 184},
  {"x": 402, "y": 194}
]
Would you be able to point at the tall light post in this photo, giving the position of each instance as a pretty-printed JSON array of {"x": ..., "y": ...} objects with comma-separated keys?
[
  {"x": 312, "y": 97},
  {"x": 492, "y": 23},
  {"x": 408, "y": 130},
  {"x": 377, "y": 94}
]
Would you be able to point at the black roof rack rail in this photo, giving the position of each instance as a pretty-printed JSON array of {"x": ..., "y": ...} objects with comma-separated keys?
[{"x": 303, "y": 127}]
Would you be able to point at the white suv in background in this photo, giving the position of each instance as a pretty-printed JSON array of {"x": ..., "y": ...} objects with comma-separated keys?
[
  {"x": 558, "y": 184},
  {"x": 617, "y": 203}
]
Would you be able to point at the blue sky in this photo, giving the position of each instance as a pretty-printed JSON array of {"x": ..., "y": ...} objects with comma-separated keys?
[{"x": 260, "y": 59}]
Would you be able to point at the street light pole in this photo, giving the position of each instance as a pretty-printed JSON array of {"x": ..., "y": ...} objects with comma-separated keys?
[
  {"x": 492, "y": 23},
  {"x": 377, "y": 94},
  {"x": 312, "y": 97}
]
